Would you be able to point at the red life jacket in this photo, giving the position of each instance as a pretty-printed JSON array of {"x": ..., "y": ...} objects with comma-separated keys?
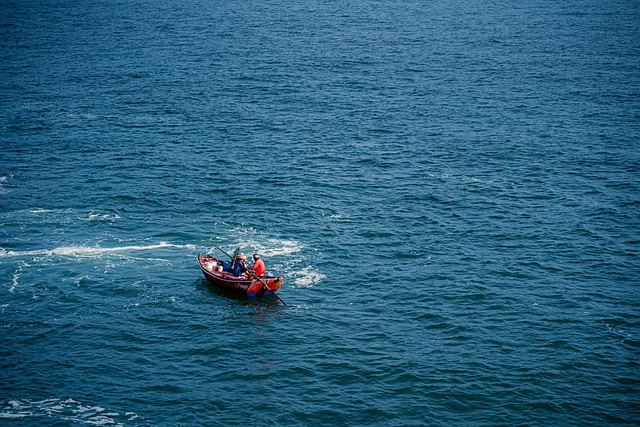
[{"x": 258, "y": 267}]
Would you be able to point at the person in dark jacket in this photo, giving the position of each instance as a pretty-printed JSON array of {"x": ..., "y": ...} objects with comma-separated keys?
[{"x": 238, "y": 266}]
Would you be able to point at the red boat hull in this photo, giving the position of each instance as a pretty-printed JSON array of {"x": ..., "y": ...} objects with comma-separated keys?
[{"x": 242, "y": 284}]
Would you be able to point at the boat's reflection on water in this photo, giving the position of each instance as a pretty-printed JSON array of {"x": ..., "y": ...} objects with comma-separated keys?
[{"x": 261, "y": 301}]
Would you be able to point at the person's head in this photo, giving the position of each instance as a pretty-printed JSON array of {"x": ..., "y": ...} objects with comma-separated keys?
[
  {"x": 256, "y": 257},
  {"x": 241, "y": 256}
]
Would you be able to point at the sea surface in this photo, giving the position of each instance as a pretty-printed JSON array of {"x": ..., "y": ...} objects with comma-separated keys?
[{"x": 451, "y": 190}]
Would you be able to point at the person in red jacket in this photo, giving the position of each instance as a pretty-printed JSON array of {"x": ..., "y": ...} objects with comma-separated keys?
[{"x": 258, "y": 265}]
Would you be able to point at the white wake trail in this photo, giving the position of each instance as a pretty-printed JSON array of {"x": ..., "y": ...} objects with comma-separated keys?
[{"x": 91, "y": 251}]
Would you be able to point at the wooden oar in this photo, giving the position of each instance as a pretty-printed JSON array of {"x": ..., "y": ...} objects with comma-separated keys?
[
  {"x": 222, "y": 250},
  {"x": 233, "y": 260}
]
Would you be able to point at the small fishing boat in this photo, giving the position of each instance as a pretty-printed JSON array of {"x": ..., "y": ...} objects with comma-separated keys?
[{"x": 248, "y": 285}]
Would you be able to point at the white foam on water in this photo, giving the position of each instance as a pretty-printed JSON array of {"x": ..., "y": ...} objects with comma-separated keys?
[
  {"x": 103, "y": 217},
  {"x": 80, "y": 280},
  {"x": 279, "y": 247},
  {"x": 14, "y": 282},
  {"x": 282, "y": 255},
  {"x": 307, "y": 277},
  {"x": 89, "y": 251},
  {"x": 3, "y": 180},
  {"x": 63, "y": 410},
  {"x": 249, "y": 240},
  {"x": 39, "y": 211},
  {"x": 339, "y": 218}
]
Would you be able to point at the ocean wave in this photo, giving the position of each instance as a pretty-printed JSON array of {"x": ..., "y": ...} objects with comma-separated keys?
[
  {"x": 93, "y": 216},
  {"x": 16, "y": 277},
  {"x": 250, "y": 240},
  {"x": 307, "y": 277},
  {"x": 3, "y": 181},
  {"x": 63, "y": 410},
  {"x": 40, "y": 210}
]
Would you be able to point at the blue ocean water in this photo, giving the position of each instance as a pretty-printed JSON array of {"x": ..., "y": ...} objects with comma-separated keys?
[{"x": 450, "y": 189}]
